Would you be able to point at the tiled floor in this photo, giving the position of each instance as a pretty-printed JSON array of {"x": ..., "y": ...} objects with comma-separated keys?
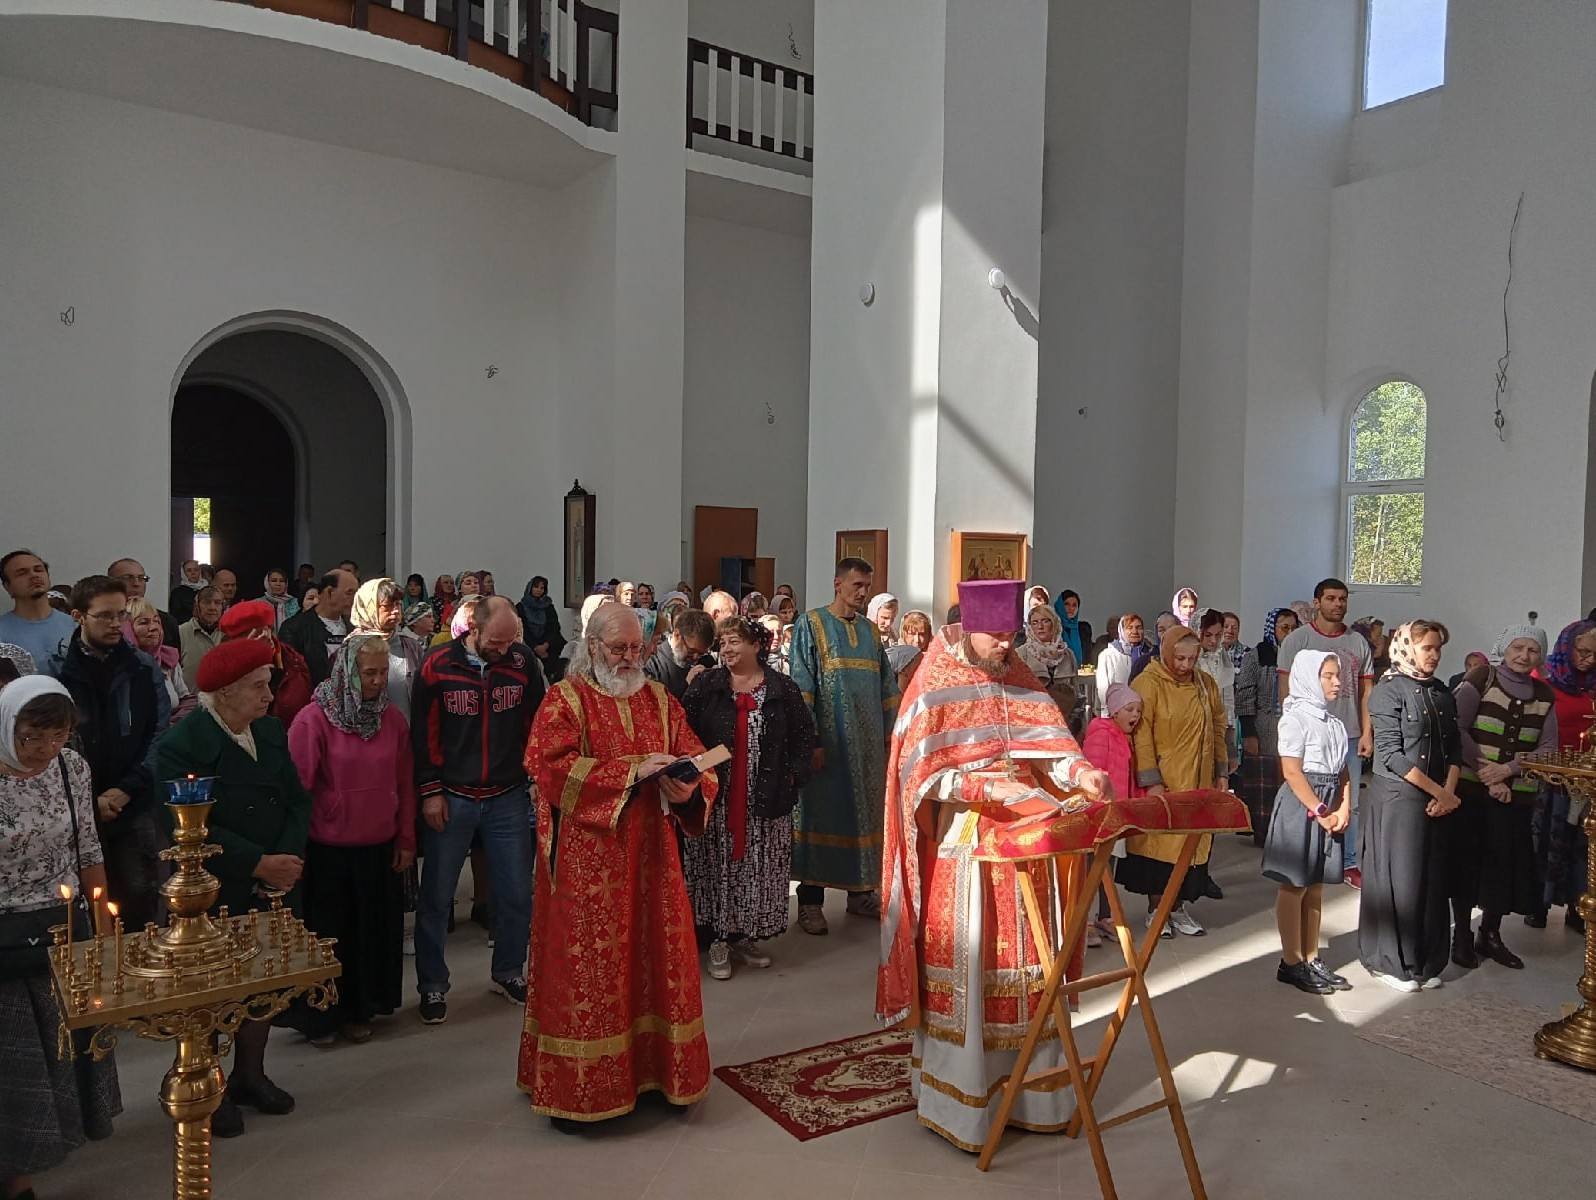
[{"x": 1282, "y": 1098}]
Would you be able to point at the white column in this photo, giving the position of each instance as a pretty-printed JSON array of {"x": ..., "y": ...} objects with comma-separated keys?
[{"x": 639, "y": 522}]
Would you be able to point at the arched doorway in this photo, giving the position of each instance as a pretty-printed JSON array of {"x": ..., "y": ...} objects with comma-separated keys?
[{"x": 307, "y": 433}]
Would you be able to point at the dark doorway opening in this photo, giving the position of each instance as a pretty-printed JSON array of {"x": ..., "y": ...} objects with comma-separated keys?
[{"x": 231, "y": 448}]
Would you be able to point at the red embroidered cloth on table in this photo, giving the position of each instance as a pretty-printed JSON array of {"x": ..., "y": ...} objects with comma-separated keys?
[{"x": 1092, "y": 823}]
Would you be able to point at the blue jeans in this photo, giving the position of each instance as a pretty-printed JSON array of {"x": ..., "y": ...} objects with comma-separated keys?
[
  {"x": 507, "y": 839},
  {"x": 1349, "y": 844}
]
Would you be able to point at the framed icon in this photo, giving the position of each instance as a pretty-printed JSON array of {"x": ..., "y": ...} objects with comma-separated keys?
[
  {"x": 580, "y": 544},
  {"x": 988, "y": 556},
  {"x": 868, "y": 544}
]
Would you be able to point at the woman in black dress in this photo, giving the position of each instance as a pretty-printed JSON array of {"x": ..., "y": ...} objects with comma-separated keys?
[{"x": 1403, "y": 922}]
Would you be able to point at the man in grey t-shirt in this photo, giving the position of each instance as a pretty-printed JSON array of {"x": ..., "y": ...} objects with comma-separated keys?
[{"x": 1328, "y": 631}]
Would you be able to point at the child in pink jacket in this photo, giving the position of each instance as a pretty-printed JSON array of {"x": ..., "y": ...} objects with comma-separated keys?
[{"x": 1107, "y": 747}]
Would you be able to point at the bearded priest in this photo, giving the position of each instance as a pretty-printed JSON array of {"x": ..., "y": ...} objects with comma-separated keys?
[
  {"x": 613, "y": 1006},
  {"x": 975, "y": 736}
]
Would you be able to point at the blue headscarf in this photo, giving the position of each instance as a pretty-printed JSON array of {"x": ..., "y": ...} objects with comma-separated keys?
[{"x": 1070, "y": 627}]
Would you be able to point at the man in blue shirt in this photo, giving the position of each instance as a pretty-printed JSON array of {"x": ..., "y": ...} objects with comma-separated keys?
[{"x": 33, "y": 624}]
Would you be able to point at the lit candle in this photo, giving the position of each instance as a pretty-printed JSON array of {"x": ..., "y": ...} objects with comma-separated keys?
[
  {"x": 116, "y": 935},
  {"x": 66, "y": 895},
  {"x": 99, "y": 939}
]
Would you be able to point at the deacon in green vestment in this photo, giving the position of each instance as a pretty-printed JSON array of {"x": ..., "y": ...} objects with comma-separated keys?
[{"x": 840, "y": 666}]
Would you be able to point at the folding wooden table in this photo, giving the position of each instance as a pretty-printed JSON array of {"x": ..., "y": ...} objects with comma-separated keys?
[{"x": 1081, "y": 843}]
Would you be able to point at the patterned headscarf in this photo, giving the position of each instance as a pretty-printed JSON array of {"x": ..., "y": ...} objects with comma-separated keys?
[
  {"x": 1404, "y": 660},
  {"x": 339, "y": 694},
  {"x": 1560, "y": 671},
  {"x": 1270, "y": 635},
  {"x": 752, "y": 601},
  {"x": 363, "y": 614}
]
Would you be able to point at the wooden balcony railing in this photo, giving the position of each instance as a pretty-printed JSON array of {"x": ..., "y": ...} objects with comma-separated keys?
[
  {"x": 747, "y": 101},
  {"x": 562, "y": 49}
]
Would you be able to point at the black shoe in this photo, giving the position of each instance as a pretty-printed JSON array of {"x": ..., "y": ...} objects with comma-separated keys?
[
  {"x": 1490, "y": 945},
  {"x": 1463, "y": 948},
  {"x": 434, "y": 1008},
  {"x": 1212, "y": 891},
  {"x": 1536, "y": 920},
  {"x": 565, "y": 1125},
  {"x": 1573, "y": 920},
  {"x": 1300, "y": 976},
  {"x": 1323, "y": 973},
  {"x": 262, "y": 1095},
  {"x": 513, "y": 990},
  {"x": 227, "y": 1121}
]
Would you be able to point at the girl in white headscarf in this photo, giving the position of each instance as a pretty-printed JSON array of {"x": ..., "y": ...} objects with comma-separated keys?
[{"x": 1303, "y": 850}]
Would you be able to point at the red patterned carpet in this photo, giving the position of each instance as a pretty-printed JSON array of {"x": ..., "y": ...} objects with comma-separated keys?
[{"x": 833, "y": 1086}]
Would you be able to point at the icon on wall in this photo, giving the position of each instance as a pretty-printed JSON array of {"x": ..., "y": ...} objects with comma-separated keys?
[{"x": 580, "y": 544}]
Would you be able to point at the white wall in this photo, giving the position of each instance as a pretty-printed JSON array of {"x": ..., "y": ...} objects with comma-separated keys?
[
  {"x": 1420, "y": 261},
  {"x": 758, "y": 27},
  {"x": 1112, "y": 236},
  {"x": 747, "y": 346},
  {"x": 157, "y": 228},
  {"x": 339, "y": 422}
]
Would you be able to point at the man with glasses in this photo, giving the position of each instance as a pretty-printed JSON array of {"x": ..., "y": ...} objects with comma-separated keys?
[
  {"x": 615, "y": 1008},
  {"x": 131, "y": 572},
  {"x": 120, "y": 713},
  {"x": 32, "y": 623},
  {"x": 675, "y": 663},
  {"x": 471, "y": 707}
]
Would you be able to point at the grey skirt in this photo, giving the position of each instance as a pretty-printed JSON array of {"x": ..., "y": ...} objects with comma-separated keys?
[
  {"x": 1298, "y": 852},
  {"x": 48, "y": 1106}
]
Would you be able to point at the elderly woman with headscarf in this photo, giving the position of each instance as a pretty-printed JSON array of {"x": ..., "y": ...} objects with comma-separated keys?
[
  {"x": 1258, "y": 716},
  {"x": 1418, "y": 759},
  {"x": 352, "y": 749},
  {"x": 1077, "y": 634},
  {"x": 1503, "y": 712},
  {"x": 1559, "y": 837},
  {"x": 260, "y": 817},
  {"x": 1180, "y": 746},
  {"x": 278, "y": 596},
  {"x": 290, "y": 678},
  {"x": 1118, "y": 661},
  {"x": 49, "y": 1103},
  {"x": 1312, "y": 809},
  {"x": 379, "y": 608},
  {"x": 444, "y": 596},
  {"x": 1051, "y": 660},
  {"x": 540, "y": 626},
  {"x": 418, "y": 619},
  {"x": 883, "y": 613}
]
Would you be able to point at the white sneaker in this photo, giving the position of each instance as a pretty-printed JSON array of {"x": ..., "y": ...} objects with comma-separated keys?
[
  {"x": 1167, "y": 932},
  {"x": 1400, "y": 985},
  {"x": 1430, "y": 984},
  {"x": 1184, "y": 922},
  {"x": 719, "y": 961}
]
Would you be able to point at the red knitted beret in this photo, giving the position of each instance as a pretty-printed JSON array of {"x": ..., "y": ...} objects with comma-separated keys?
[
  {"x": 231, "y": 661},
  {"x": 247, "y": 617}
]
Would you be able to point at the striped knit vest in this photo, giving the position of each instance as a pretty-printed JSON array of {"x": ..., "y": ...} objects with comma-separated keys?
[{"x": 1505, "y": 727}]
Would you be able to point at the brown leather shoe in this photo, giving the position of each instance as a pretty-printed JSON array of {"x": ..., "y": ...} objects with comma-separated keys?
[{"x": 812, "y": 919}]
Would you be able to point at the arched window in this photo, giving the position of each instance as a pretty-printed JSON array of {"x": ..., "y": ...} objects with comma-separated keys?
[{"x": 1383, "y": 496}]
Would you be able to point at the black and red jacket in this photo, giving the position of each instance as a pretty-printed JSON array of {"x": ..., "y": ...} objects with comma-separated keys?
[{"x": 469, "y": 725}]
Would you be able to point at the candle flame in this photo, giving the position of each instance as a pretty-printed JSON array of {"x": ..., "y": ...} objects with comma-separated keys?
[
  {"x": 66, "y": 892},
  {"x": 96, "y": 894},
  {"x": 111, "y": 908}
]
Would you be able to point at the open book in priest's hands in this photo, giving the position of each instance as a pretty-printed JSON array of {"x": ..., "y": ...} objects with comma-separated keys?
[{"x": 686, "y": 770}]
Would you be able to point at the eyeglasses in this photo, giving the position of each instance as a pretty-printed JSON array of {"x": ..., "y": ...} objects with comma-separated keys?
[
  {"x": 630, "y": 649},
  {"x": 134, "y": 578},
  {"x": 108, "y": 618},
  {"x": 29, "y": 741}
]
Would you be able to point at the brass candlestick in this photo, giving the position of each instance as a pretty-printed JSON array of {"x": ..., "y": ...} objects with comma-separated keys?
[
  {"x": 194, "y": 983},
  {"x": 1572, "y": 1040}
]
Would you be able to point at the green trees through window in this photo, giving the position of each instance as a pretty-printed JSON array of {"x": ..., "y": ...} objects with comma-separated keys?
[{"x": 1384, "y": 492}]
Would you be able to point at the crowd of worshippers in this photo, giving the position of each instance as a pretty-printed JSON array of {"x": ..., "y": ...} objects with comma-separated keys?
[{"x": 367, "y": 738}]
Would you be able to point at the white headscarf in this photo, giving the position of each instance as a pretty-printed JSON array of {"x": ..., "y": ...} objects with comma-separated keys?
[
  {"x": 13, "y": 697},
  {"x": 1307, "y": 693},
  {"x": 877, "y": 602}
]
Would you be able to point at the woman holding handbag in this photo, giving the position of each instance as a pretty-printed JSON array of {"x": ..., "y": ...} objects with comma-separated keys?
[{"x": 48, "y": 1105}]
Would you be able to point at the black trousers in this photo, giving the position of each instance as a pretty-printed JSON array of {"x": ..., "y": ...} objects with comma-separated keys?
[{"x": 133, "y": 870}]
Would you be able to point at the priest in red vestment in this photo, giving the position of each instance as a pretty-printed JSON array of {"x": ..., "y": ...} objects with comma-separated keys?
[
  {"x": 613, "y": 1006},
  {"x": 975, "y": 736}
]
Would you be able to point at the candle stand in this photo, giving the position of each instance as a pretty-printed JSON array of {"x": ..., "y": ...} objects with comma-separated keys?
[{"x": 193, "y": 982}]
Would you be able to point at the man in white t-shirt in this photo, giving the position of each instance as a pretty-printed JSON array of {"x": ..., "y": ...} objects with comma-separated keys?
[{"x": 1328, "y": 631}]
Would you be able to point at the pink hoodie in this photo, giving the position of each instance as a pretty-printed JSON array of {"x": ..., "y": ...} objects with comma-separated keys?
[{"x": 1108, "y": 749}]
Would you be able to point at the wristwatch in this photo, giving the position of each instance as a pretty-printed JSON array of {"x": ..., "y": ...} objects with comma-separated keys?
[{"x": 1321, "y": 812}]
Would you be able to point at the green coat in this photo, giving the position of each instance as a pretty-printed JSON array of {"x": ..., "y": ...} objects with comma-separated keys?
[{"x": 259, "y": 807}]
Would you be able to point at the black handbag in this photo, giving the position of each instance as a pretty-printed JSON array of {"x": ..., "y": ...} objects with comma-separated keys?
[{"x": 25, "y": 937}]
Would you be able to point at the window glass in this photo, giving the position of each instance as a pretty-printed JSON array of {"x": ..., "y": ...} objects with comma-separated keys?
[{"x": 1405, "y": 49}]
